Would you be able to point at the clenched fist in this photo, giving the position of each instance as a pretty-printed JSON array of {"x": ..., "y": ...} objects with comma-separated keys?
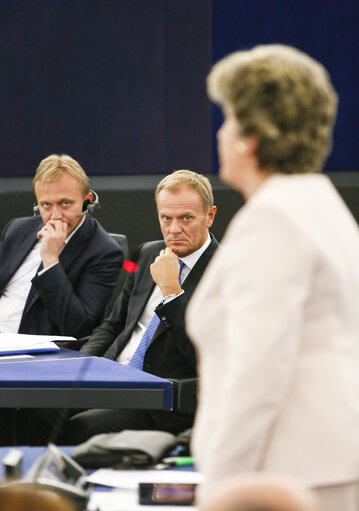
[
  {"x": 165, "y": 272},
  {"x": 54, "y": 234}
]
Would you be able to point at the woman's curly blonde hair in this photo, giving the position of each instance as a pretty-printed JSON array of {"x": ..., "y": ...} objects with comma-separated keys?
[{"x": 285, "y": 98}]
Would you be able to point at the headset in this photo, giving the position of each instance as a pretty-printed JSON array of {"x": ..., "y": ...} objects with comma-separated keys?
[
  {"x": 87, "y": 206},
  {"x": 90, "y": 206}
]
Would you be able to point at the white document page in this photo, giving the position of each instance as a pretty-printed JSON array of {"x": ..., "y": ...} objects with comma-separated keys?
[
  {"x": 15, "y": 357},
  {"x": 130, "y": 479},
  {"x": 24, "y": 342}
]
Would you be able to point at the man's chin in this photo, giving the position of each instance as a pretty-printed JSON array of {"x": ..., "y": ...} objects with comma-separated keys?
[
  {"x": 181, "y": 251},
  {"x": 72, "y": 227},
  {"x": 178, "y": 248}
]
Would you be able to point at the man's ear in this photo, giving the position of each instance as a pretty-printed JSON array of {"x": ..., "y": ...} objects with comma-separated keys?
[
  {"x": 210, "y": 215},
  {"x": 89, "y": 197}
]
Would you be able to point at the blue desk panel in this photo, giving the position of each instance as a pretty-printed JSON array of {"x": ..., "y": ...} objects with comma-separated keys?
[{"x": 56, "y": 381}]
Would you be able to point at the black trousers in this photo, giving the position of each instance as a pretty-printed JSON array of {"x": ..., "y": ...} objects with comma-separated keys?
[
  {"x": 71, "y": 427},
  {"x": 8, "y": 426}
]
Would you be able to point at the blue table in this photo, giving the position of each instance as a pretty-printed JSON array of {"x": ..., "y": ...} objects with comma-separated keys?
[{"x": 72, "y": 380}]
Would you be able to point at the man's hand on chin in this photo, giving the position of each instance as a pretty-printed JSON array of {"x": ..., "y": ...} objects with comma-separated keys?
[
  {"x": 53, "y": 234},
  {"x": 165, "y": 271}
]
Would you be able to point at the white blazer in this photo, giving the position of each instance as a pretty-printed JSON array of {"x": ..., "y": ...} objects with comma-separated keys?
[{"x": 276, "y": 323}]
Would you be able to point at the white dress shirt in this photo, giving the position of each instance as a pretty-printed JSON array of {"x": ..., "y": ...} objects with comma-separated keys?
[{"x": 12, "y": 302}]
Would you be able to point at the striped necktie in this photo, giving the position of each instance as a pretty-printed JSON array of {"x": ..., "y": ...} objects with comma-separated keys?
[{"x": 137, "y": 359}]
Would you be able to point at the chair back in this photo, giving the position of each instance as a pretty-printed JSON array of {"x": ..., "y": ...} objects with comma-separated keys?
[{"x": 121, "y": 239}]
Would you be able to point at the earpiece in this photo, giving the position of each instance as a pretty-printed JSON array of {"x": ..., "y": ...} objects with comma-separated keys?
[
  {"x": 35, "y": 208},
  {"x": 89, "y": 206},
  {"x": 86, "y": 204}
]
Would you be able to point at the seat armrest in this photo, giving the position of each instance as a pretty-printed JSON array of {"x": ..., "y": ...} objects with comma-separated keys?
[
  {"x": 73, "y": 345},
  {"x": 185, "y": 395}
]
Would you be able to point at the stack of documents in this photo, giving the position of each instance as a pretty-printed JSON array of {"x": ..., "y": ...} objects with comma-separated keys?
[{"x": 11, "y": 344}]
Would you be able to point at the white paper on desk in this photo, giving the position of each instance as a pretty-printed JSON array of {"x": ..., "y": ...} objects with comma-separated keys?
[
  {"x": 130, "y": 479},
  {"x": 22, "y": 342},
  {"x": 16, "y": 357},
  {"x": 118, "y": 500}
]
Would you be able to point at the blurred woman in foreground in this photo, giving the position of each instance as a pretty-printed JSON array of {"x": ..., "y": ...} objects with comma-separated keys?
[{"x": 275, "y": 318}]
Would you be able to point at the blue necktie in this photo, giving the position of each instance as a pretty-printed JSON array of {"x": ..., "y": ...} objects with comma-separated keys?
[
  {"x": 29, "y": 298},
  {"x": 137, "y": 359}
]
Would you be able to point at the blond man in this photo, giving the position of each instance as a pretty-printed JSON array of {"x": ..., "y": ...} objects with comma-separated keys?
[{"x": 57, "y": 268}]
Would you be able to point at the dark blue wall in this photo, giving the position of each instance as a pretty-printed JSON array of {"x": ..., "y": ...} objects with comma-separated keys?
[
  {"x": 120, "y": 84},
  {"x": 117, "y": 84},
  {"x": 327, "y": 30}
]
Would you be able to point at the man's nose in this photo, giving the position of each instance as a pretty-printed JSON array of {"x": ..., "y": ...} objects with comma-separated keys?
[
  {"x": 175, "y": 226},
  {"x": 56, "y": 213}
]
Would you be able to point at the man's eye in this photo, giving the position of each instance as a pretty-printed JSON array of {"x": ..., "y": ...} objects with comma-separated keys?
[
  {"x": 65, "y": 203},
  {"x": 166, "y": 218},
  {"x": 186, "y": 218},
  {"x": 45, "y": 205}
]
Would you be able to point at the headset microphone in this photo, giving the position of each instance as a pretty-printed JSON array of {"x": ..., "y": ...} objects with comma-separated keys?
[{"x": 35, "y": 208}]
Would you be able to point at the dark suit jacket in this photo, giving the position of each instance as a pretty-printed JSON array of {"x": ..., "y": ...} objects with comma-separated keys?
[
  {"x": 71, "y": 296},
  {"x": 170, "y": 354}
]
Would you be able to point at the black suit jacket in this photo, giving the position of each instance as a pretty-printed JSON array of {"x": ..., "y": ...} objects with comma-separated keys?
[
  {"x": 71, "y": 296},
  {"x": 171, "y": 353}
]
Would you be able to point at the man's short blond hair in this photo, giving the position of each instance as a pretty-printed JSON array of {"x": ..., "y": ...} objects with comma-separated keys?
[
  {"x": 282, "y": 96},
  {"x": 52, "y": 168},
  {"x": 179, "y": 178}
]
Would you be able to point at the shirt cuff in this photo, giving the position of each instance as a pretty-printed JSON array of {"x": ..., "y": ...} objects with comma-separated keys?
[
  {"x": 45, "y": 269},
  {"x": 169, "y": 298}
]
